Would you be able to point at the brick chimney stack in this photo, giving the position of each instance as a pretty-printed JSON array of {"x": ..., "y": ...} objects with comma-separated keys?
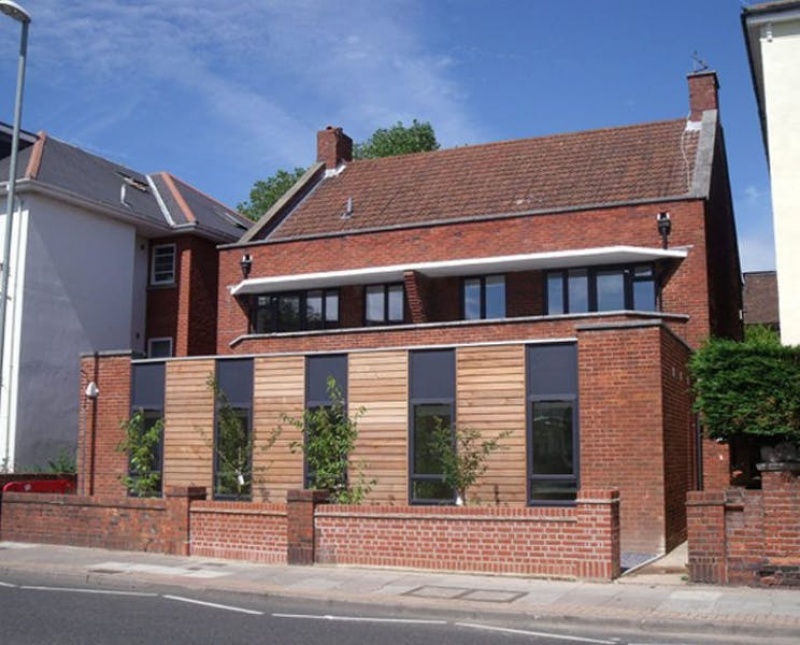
[
  {"x": 703, "y": 88},
  {"x": 333, "y": 147}
]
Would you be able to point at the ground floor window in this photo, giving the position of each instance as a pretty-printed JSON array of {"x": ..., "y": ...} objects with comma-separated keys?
[
  {"x": 553, "y": 439},
  {"x": 432, "y": 407},
  {"x": 233, "y": 437}
]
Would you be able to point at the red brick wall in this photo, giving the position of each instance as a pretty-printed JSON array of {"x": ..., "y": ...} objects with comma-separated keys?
[
  {"x": 99, "y": 461},
  {"x": 186, "y": 312},
  {"x": 621, "y": 431},
  {"x": 686, "y": 292},
  {"x": 680, "y": 449},
  {"x": 746, "y": 536},
  {"x": 158, "y": 525},
  {"x": 579, "y": 542},
  {"x": 239, "y": 531}
]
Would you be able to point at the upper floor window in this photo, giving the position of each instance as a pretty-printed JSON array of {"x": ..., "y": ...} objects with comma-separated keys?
[
  {"x": 282, "y": 312},
  {"x": 162, "y": 264},
  {"x": 573, "y": 291},
  {"x": 485, "y": 297},
  {"x": 159, "y": 348},
  {"x": 384, "y": 304}
]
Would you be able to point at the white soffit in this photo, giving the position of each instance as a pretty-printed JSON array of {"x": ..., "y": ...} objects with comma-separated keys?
[{"x": 473, "y": 266}]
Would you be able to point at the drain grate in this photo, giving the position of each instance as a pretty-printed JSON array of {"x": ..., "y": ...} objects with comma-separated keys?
[{"x": 465, "y": 593}]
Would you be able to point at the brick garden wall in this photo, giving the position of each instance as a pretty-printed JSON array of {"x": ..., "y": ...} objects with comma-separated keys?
[
  {"x": 156, "y": 525},
  {"x": 579, "y": 542},
  {"x": 239, "y": 531},
  {"x": 751, "y": 537}
]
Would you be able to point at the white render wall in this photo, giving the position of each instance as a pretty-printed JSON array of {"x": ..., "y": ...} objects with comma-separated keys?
[
  {"x": 780, "y": 54},
  {"x": 76, "y": 298}
]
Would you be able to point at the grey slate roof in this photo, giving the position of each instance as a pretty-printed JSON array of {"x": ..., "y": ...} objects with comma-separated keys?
[{"x": 158, "y": 200}]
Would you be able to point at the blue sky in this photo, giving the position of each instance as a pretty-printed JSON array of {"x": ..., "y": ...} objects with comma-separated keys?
[{"x": 224, "y": 94}]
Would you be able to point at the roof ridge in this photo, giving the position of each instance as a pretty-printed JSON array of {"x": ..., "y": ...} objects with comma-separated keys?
[
  {"x": 169, "y": 180},
  {"x": 35, "y": 161},
  {"x": 205, "y": 195},
  {"x": 523, "y": 140}
]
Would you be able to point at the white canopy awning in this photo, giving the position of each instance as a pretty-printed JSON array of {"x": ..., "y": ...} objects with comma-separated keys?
[{"x": 463, "y": 267}]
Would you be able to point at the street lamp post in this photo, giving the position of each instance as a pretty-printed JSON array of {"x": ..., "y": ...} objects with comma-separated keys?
[{"x": 13, "y": 10}]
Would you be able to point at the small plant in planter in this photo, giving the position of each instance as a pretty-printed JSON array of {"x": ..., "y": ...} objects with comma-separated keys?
[
  {"x": 329, "y": 438},
  {"x": 462, "y": 452}
]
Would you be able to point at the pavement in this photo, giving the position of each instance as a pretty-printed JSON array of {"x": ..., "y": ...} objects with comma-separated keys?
[{"x": 655, "y": 596}]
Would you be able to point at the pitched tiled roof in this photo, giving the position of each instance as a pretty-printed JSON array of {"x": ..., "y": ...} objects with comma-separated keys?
[
  {"x": 561, "y": 172},
  {"x": 173, "y": 205}
]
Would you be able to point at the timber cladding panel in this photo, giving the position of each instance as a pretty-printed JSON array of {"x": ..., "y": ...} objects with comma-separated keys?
[
  {"x": 189, "y": 424},
  {"x": 490, "y": 398},
  {"x": 278, "y": 390},
  {"x": 378, "y": 382}
]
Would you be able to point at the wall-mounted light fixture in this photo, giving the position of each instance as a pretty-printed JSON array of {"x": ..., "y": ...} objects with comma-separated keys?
[
  {"x": 246, "y": 263},
  {"x": 664, "y": 228}
]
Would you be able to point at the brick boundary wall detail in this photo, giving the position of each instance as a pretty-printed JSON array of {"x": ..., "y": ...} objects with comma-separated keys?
[
  {"x": 578, "y": 542},
  {"x": 251, "y": 531},
  {"x": 128, "y": 524},
  {"x": 747, "y": 537}
]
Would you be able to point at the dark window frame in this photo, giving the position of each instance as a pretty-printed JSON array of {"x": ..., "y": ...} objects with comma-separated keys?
[
  {"x": 386, "y": 289},
  {"x": 415, "y": 399},
  {"x": 316, "y": 402},
  {"x": 481, "y": 280},
  {"x": 148, "y": 394},
  {"x": 273, "y": 309},
  {"x": 241, "y": 405},
  {"x": 628, "y": 272},
  {"x": 532, "y": 397}
]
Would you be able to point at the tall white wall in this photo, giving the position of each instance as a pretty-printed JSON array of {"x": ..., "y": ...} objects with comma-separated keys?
[
  {"x": 79, "y": 276},
  {"x": 780, "y": 54}
]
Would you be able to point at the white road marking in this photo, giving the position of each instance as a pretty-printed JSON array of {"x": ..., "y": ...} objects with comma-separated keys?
[
  {"x": 105, "y": 592},
  {"x": 214, "y": 605},
  {"x": 524, "y": 632},
  {"x": 6, "y": 584},
  {"x": 363, "y": 619}
]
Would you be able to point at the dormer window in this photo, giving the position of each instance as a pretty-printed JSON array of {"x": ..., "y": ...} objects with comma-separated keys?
[{"x": 162, "y": 265}]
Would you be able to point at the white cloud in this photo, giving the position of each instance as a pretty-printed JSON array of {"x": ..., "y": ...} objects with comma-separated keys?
[
  {"x": 754, "y": 223},
  {"x": 270, "y": 73}
]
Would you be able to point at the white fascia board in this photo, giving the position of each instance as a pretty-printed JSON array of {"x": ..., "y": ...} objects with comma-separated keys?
[{"x": 463, "y": 267}]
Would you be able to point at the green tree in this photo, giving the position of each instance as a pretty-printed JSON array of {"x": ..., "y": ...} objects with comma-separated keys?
[
  {"x": 265, "y": 192},
  {"x": 398, "y": 140},
  {"x": 141, "y": 442},
  {"x": 462, "y": 452},
  {"x": 330, "y": 436},
  {"x": 749, "y": 388}
]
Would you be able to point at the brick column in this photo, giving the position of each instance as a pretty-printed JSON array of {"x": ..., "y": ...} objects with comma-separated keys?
[
  {"x": 179, "y": 500},
  {"x": 416, "y": 286},
  {"x": 597, "y": 513},
  {"x": 300, "y": 506},
  {"x": 705, "y": 514},
  {"x": 780, "y": 486}
]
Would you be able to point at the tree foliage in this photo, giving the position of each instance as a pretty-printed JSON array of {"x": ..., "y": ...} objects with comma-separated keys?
[
  {"x": 265, "y": 192},
  {"x": 398, "y": 140},
  {"x": 141, "y": 445},
  {"x": 462, "y": 452},
  {"x": 330, "y": 436},
  {"x": 748, "y": 388}
]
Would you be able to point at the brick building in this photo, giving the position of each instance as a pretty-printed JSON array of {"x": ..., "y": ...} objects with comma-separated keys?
[
  {"x": 102, "y": 257},
  {"x": 549, "y": 288}
]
